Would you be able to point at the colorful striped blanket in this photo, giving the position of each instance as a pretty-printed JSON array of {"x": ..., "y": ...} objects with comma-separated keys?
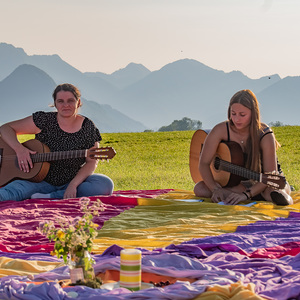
[{"x": 205, "y": 250}]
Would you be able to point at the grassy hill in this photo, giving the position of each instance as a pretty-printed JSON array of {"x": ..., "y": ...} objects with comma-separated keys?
[{"x": 160, "y": 160}]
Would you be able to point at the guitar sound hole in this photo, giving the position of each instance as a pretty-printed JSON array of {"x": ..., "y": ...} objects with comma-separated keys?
[{"x": 217, "y": 163}]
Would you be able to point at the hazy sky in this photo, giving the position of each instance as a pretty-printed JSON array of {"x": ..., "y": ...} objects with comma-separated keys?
[{"x": 257, "y": 37}]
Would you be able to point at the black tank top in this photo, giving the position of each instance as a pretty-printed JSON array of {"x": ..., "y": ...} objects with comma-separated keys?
[{"x": 263, "y": 133}]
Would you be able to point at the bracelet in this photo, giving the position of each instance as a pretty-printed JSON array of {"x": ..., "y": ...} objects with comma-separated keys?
[
  {"x": 249, "y": 192},
  {"x": 246, "y": 195}
]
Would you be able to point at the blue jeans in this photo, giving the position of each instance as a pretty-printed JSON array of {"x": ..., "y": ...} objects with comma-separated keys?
[{"x": 96, "y": 184}]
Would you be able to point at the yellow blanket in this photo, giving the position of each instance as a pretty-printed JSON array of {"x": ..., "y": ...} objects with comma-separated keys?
[{"x": 170, "y": 219}]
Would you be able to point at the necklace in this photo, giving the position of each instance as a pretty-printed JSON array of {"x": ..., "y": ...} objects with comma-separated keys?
[{"x": 242, "y": 138}]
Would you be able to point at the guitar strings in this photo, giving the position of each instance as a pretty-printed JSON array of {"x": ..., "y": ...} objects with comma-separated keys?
[
  {"x": 98, "y": 153},
  {"x": 238, "y": 170}
]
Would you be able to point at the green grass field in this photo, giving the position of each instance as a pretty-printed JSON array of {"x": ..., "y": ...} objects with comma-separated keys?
[
  {"x": 289, "y": 153},
  {"x": 160, "y": 160}
]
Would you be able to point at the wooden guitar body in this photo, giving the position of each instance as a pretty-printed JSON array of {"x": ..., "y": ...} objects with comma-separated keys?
[
  {"x": 9, "y": 168},
  {"x": 229, "y": 151}
]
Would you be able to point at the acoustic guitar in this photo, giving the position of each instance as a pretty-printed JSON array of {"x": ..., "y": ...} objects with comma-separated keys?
[
  {"x": 9, "y": 168},
  {"x": 227, "y": 165}
]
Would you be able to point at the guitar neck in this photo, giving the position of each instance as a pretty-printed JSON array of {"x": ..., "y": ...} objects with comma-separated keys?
[
  {"x": 58, "y": 155},
  {"x": 238, "y": 170}
]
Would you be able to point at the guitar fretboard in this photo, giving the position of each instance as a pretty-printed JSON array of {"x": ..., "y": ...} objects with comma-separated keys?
[
  {"x": 58, "y": 155},
  {"x": 224, "y": 165}
]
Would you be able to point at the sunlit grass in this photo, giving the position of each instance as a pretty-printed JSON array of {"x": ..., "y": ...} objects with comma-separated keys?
[
  {"x": 149, "y": 160},
  {"x": 289, "y": 152}
]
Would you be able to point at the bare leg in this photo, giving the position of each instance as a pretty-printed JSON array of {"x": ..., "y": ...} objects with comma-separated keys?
[{"x": 201, "y": 190}]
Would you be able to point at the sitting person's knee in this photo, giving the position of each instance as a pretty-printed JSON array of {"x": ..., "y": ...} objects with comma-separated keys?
[
  {"x": 200, "y": 189},
  {"x": 97, "y": 184}
]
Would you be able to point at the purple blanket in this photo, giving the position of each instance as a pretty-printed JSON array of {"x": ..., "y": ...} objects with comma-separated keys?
[{"x": 265, "y": 253}]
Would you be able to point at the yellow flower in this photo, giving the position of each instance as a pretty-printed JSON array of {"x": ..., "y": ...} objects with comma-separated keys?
[
  {"x": 53, "y": 253},
  {"x": 93, "y": 225},
  {"x": 60, "y": 234}
]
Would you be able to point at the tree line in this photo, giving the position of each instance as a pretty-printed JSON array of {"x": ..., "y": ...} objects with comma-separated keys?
[
  {"x": 189, "y": 124},
  {"x": 182, "y": 125}
]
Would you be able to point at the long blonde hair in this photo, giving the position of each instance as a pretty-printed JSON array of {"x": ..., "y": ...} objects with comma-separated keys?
[{"x": 248, "y": 99}]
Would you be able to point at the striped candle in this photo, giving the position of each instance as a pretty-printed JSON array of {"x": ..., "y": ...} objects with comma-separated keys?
[{"x": 130, "y": 269}]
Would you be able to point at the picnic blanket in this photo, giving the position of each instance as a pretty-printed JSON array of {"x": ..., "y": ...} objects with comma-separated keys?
[{"x": 205, "y": 250}]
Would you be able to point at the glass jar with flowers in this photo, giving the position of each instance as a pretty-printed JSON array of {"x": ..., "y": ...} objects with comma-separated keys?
[{"x": 74, "y": 240}]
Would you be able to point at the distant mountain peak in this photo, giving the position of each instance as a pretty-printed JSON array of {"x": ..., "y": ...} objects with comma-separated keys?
[
  {"x": 4, "y": 47},
  {"x": 187, "y": 64},
  {"x": 132, "y": 69},
  {"x": 29, "y": 76}
]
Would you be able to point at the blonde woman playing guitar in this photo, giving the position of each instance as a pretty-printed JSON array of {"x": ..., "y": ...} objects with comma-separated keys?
[
  {"x": 259, "y": 147},
  {"x": 63, "y": 131}
]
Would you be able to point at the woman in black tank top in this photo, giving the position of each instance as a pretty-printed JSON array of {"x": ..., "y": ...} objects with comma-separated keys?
[
  {"x": 264, "y": 132},
  {"x": 259, "y": 147}
]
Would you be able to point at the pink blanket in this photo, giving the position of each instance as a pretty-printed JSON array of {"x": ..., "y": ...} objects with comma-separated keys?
[{"x": 19, "y": 220}]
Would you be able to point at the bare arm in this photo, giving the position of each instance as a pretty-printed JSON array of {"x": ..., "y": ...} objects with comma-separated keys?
[
  {"x": 86, "y": 170},
  {"x": 210, "y": 146},
  {"x": 268, "y": 149},
  {"x": 9, "y": 132}
]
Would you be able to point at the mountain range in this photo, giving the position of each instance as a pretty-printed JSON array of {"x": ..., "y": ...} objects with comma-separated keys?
[{"x": 133, "y": 99}]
